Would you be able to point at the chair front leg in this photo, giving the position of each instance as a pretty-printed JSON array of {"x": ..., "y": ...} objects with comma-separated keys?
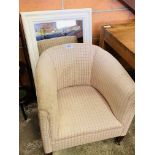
[
  {"x": 118, "y": 140},
  {"x": 49, "y": 153}
]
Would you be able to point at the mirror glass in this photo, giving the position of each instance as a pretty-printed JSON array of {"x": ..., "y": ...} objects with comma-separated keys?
[
  {"x": 58, "y": 32},
  {"x": 59, "y": 28}
]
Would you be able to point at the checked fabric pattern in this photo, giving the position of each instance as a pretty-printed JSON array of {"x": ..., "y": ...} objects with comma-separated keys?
[{"x": 84, "y": 95}]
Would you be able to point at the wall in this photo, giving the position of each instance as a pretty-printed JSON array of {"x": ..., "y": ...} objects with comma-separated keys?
[{"x": 104, "y": 11}]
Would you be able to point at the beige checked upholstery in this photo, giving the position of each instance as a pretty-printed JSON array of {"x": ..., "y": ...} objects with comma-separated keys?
[
  {"x": 84, "y": 95},
  {"x": 47, "y": 43}
]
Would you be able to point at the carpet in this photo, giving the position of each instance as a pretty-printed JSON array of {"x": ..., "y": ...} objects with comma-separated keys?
[{"x": 31, "y": 144}]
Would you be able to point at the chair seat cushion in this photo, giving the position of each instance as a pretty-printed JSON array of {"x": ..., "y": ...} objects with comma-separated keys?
[{"x": 83, "y": 110}]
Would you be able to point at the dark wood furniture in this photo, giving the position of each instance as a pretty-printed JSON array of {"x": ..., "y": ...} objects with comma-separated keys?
[
  {"x": 23, "y": 99},
  {"x": 25, "y": 93},
  {"x": 121, "y": 39},
  {"x": 26, "y": 78}
]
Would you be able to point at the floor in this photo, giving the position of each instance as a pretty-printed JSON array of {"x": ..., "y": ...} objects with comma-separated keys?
[{"x": 31, "y": 144}]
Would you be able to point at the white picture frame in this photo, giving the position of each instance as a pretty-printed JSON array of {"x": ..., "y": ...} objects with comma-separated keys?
[{"x": 31, "y": 18}]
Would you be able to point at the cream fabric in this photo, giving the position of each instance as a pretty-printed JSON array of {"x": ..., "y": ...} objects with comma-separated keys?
[
  {"x": 84, "y": 139},
  {"x": 46, "y": 90},
  {"x": 84, "y": 95},
  {"x": 72, "y": 67},
  {"x": 47, "y": 43},
  {"x": 114, "y": 83},
  {"x": 83, "y": 111}
]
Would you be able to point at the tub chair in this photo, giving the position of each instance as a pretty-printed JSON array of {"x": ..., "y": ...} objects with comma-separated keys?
[{"x": 84, "y": 95}]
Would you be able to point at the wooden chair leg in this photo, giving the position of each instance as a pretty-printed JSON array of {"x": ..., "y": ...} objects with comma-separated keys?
[
  {"x": 118, "y": 140},
  {"x": 49, "y": 153}
]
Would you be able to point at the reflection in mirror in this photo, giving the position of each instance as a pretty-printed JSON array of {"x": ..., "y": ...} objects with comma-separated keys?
[{"x": 58, "y": 32}]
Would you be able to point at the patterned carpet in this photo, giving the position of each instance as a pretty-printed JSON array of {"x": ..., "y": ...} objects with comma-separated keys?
[{"x": 31, "y": 144}]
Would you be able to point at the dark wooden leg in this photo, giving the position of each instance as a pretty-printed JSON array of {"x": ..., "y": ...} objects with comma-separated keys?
[
  {"x": 49, "y": 153},
  {"x": 118, "y": 140},
  {"x": 22, "y": 109}
]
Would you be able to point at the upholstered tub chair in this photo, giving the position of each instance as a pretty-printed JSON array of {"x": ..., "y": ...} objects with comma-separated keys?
[
  {"x": 47, "y": 43},
  {"x": 84, "y": 95}
]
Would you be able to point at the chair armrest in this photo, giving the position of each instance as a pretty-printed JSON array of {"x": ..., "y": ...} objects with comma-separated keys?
[
  {"x": 114, "y": 83},
  {"x": 46, "y": 90}
]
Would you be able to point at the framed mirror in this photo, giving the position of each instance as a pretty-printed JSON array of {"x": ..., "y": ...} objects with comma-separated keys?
[{"x": 45, "y": 28}]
